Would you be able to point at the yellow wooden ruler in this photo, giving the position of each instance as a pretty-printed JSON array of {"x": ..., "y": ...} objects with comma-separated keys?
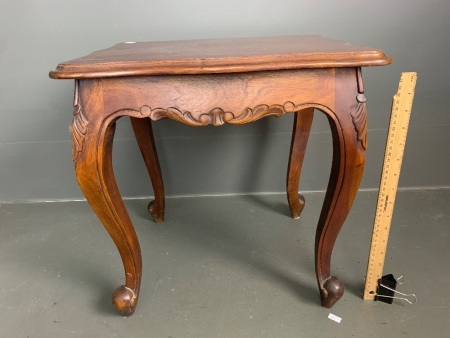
[{"x": 395, "y": 146}]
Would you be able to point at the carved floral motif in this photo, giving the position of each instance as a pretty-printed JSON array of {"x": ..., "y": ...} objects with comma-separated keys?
[
  {"x": 79, "y": 129},
  {"x": 218, "y": 116},
  {"x": 359, "y": 117}
]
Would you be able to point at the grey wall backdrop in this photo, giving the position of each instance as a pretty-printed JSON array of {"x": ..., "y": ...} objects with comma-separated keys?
[{"x": 35, "y": 112}]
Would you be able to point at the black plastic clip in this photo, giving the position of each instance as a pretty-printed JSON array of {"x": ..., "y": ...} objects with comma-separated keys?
[{"x": 387, "y": 289}]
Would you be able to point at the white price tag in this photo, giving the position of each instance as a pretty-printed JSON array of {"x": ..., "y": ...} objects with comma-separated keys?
[{"x": 335, "y": 318}]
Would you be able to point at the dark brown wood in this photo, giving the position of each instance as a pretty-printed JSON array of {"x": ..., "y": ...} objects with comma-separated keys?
[
  {"x": 300, "y": 134},
  {"x": 348, "y": 125},
  {"x": 213, "y": 82},
  {"x": 220, "y": 56},
  {"x": 144, "y": 135},
  {"x": 93, "y": 130}
]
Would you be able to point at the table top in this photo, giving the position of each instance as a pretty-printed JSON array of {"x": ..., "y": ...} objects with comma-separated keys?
[{"x": 219, "y": 56}]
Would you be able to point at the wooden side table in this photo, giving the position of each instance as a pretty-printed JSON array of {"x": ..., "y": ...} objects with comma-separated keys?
[{"x": 202, "y": 82}]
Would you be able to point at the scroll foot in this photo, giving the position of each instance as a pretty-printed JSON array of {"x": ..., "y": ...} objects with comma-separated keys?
[
  {"x": 331, "y": 291},
  {"x": 297, "y": 207},
  {"x": 156, "y": 211},
  {"x": 124, "y": 300}
]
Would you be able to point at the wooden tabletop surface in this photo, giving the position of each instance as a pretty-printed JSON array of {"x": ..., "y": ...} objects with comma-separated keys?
[{"x": 219, "y": 56}]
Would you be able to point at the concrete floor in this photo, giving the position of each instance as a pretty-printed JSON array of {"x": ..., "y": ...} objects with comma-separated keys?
[{"x": 220, "y": 267}]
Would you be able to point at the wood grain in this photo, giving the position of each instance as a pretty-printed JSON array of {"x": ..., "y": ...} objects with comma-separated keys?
[
  {"x": 219, "y": 56},
  {"x": 213, "y": 82},
  {"x": 236, "y": 99}
]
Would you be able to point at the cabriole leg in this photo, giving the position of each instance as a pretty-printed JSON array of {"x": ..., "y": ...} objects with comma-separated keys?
[
  {"x": 92, "y": 138},
  {"x": 349, "y": 128},
  {"x": 300, "y": 134},
  {"x": 143, "y": 131}
]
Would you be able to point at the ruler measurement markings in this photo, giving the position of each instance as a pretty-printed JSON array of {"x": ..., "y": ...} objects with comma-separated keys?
[{"x": 395, "y": 144}]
